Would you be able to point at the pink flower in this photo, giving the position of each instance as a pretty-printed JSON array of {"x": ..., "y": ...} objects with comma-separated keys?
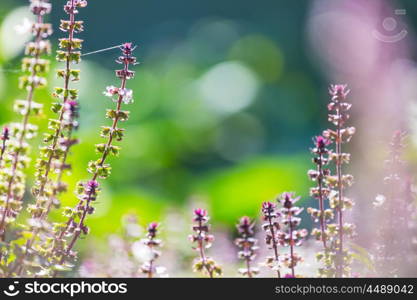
[
  {"x": 200, "y": 215},
  {"x": 71, "y": 6},
  {"x": 71, "y": 105},
  {"x": 288, "y": 200},
  {"x": 92, "y": 185},
  {"x": 127, "y": 95},
  {"x": 111, "y": 91},
  {"x": 127, "y": 48},
  {"x": 199, "y": 212},
  {"x": 40, "y": 7},
  {"x": 245, "y": 226},
  {"x": 321, "y": 142},
  {"x": 338, "y": 91},
  {"x": 268, "y": 206},
  {"x": 153, "y": 226}
]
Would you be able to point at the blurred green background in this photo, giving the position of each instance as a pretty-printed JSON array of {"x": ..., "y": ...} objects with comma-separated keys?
[{"x": 226, "y": 102}]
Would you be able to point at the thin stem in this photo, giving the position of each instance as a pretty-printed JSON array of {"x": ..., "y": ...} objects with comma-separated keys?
[
  {"x": 321, "y": 201},
  {"x": 248, "y": 267},
  {"x": 247, "y": 249},
  {"x": 202, "y": 253},
  {"x": 59, "y": 177},
  {"x": 95, "y": 175},
  {"x": 291, "y": 244},
  {"x": 339, "y": 267},
  {"x": 152, "y": 260},
  {"x": 274, "y": 244}
]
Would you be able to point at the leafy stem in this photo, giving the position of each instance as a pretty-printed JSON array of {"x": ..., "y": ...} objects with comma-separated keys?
[{"x": 36, "y": 66}]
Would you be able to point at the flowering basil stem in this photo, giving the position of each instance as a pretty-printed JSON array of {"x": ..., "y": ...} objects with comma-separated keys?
[
  {"x": 335, "y": 257},
  {"x": 53, "y": 155},
  {"x": 149, "y": 268},
  {"x": 203, "y": 240},
  {"x": 290, "y": 236},
  {"x": 321, "y": 191},
  {"x": 248, "y": 246},
  {"x": 15, "y": 158},
  {"x": 272, "y": 227},
  {"x": 59, "y": 249}
]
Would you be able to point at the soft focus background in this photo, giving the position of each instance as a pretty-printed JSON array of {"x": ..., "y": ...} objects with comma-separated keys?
[{"x": 227, "y": 98}]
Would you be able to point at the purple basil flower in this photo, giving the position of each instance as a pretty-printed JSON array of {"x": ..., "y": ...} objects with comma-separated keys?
[
  {"x": 200, "y": 215},
  {"x": 92, "y": 185},
  {"x": 40, "y": 7},
  {"x": 321, "y": 142},
  {"x": 248, "y": 246},
  {"x": 339, "y": 91},
  {"x": 203, "y": 240}
]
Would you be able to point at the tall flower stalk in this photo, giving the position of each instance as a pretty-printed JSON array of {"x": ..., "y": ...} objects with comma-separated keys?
[
  {"x": 203, "y": 240},
  {"x": 59, "y": 140},
  {"x": 53, "y": 156},
  {"x": 272, "y": 229},
  {"x": 338, "y": 116},
  {"x": 321, "y": 191},
  {"x": 12, "y": 177},
  {"x": 59, "y": 249},
  {"x": 291, "y": 237},
  {"x": 151, "y": 241},
  {"x": 70, "y": 52},
  {"x": 248, "y": 246}
]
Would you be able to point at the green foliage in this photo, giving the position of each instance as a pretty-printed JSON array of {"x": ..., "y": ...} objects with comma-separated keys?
[
  {"x": 120, "y": 115},
  {"x": 66, "y": 43}
]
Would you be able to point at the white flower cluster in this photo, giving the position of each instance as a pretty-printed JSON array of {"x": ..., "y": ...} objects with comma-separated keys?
[{"x": 125, "y": 94}]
